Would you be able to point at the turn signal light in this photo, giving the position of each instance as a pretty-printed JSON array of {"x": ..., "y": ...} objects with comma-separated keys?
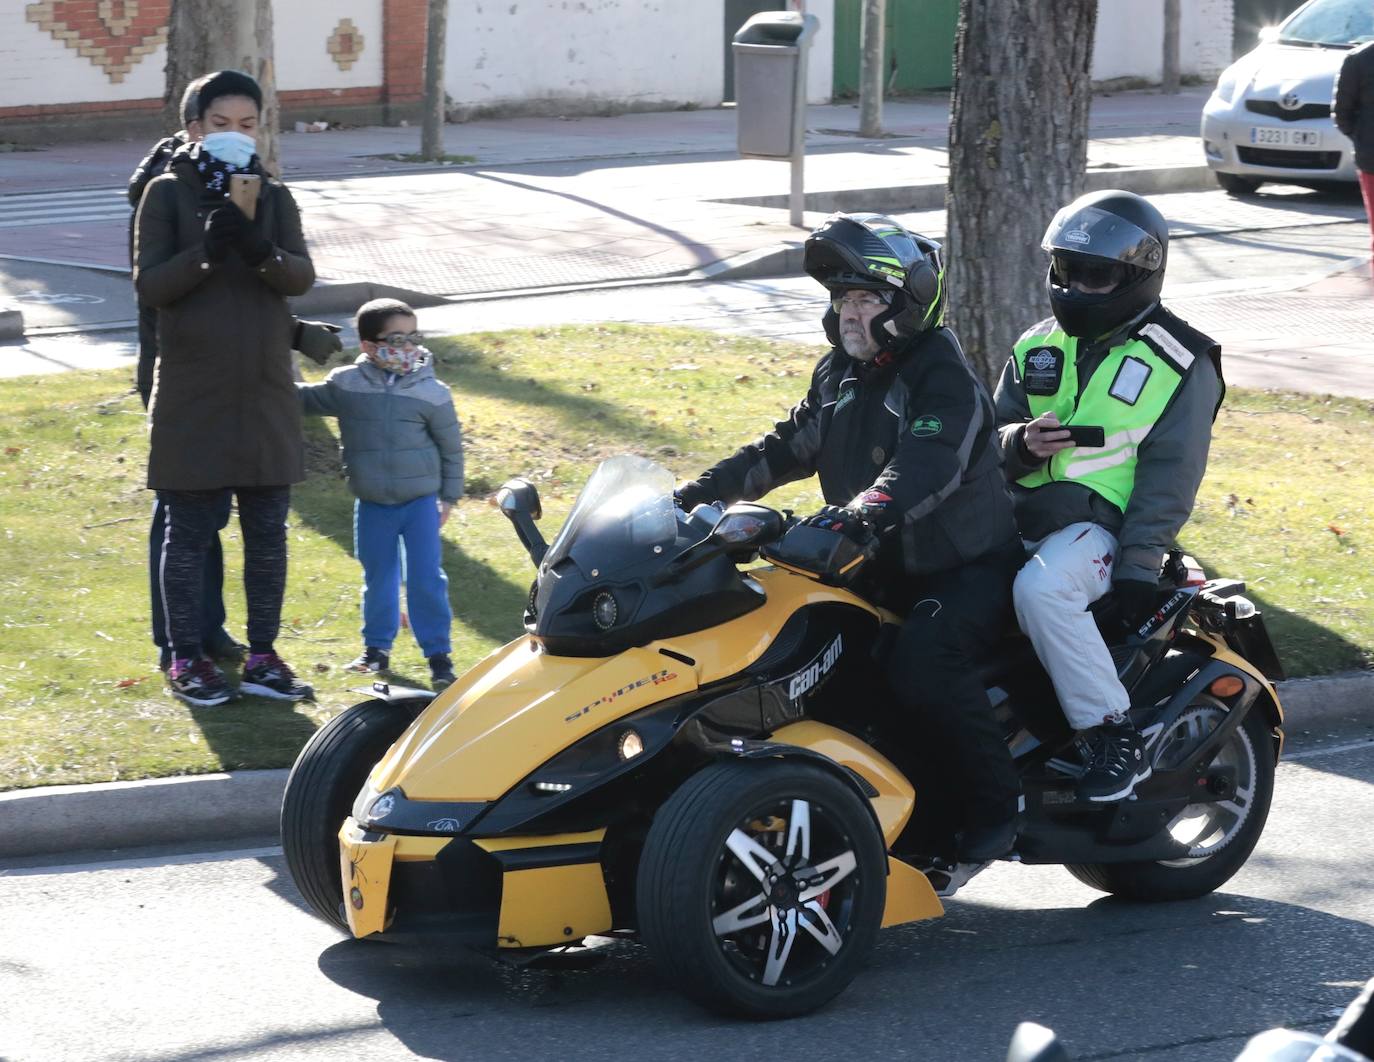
[{"x": 1226, "y": 686}]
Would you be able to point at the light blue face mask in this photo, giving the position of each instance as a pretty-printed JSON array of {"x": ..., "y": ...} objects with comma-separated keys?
[{"x": 235, "y": 149}]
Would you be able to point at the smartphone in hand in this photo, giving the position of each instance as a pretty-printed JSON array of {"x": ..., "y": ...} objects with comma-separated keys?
[
  {"x": 1085, "y": 434},
  {"x": 243, "y": 192}
]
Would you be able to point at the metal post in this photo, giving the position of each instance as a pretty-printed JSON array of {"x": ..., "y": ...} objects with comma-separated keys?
[{"x": 796, "y": 197}]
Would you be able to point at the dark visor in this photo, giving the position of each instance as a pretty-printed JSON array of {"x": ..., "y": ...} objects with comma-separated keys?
[{"x": 1103, "y": 235}]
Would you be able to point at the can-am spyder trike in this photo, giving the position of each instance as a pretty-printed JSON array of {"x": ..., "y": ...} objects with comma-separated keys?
[{"x": 697, "y": 753}]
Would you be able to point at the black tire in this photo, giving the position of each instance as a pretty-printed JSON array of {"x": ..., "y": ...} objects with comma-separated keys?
[
  {"x": 320, "y": 791},
  {"x": 690, "y": 878},
  {"x": 1252, "y": 747},
  {"x": 1233, "y": 184}
]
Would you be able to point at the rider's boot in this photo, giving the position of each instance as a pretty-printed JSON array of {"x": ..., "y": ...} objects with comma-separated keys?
[
  {"x": 992, "y": 838},
  {"x": 1116, "y": 759}
]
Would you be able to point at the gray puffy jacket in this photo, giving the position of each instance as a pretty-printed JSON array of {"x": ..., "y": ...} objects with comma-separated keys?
[{"x": 401, "y": 440}]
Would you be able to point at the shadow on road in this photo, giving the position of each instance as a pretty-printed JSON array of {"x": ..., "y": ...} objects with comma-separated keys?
[{"x": 1115, "y": 979}]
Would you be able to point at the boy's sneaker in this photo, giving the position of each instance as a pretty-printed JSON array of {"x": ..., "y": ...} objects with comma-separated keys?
[
  {"x": 1116, "y": 762},
  {"x": 441, "y": 673},
  {"x": 371, "y": 660},
  {"x": 268, "y": 675},
  {"x": 198, "y": 683}
]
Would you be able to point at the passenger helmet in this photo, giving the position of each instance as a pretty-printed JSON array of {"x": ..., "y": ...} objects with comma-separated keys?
[
  {"x": 874, "y": 253},
  {"x": 1110, "y": 238}
]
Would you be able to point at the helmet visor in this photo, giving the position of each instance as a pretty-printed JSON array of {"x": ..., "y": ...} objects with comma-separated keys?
[{"x": 1101, "y": 234}]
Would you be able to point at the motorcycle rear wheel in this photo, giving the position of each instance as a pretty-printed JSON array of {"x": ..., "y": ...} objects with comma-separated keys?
[
  {"x": 1221, "y": 836},
  {"x": 320, "y": 790},
  {"x": 761, "y": 887}
]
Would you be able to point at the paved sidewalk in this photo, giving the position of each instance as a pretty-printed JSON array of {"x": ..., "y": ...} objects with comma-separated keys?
[{"x": 581, "y": 201}]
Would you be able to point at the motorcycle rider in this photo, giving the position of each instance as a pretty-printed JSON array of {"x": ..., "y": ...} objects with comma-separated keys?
[
  {"x": 902, "y": 435},
  {"x": 1102, "y": 517}
]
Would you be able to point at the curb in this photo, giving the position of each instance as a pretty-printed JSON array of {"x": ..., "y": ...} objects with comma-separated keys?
[
  {"x": 11, "y": 323},
  {"x": 220, "y": 807},
  {"x": 931, "y": 196}
]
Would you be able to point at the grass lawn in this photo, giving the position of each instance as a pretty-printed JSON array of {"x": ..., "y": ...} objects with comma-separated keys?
[{"x": 81, "y": 699}]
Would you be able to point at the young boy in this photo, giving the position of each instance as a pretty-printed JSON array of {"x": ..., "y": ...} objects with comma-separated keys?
[{"x": 403, "y": 453}]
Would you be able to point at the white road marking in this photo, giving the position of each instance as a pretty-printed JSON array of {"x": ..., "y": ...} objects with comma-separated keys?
[
  {"x": 1308, "y": 754},
  {"x": 148, "y": 861}
]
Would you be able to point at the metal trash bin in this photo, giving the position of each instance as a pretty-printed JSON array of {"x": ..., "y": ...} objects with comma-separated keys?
[{"x": 770, "y": 83}]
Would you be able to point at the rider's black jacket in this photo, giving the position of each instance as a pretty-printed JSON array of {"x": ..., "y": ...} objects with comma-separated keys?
[{"x": 918, "y": 428}]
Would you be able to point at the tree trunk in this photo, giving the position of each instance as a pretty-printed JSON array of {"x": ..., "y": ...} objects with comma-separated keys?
[
  {"x": 1172, "y": 16},
  {"x": 1018, "y": 140},
  {"x": 208, "y": 35},
  {"x": 432, "y": 130},
  {"x": 871, "y": 69}
]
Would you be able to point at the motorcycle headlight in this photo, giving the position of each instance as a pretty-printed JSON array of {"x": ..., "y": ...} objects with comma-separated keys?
[{"x": 363, "y": 803}]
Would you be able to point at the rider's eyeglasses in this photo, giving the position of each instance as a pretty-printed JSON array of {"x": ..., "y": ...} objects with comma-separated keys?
[
  {"x": 402, "y": 339},
  {"x": 862, "y": 303}
]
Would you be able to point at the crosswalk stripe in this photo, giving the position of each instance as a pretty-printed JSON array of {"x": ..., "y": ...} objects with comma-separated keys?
[{"x": 61, "y": 220}]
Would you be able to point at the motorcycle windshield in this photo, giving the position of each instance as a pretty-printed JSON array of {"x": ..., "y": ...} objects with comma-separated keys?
[{"x": 624, "y": 511}]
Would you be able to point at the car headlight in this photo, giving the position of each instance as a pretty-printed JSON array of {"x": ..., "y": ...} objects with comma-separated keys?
[{"x": 1226, "y": 85}]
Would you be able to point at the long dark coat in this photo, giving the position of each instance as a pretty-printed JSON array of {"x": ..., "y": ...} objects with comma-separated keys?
[{"x": 224, "y": 409}]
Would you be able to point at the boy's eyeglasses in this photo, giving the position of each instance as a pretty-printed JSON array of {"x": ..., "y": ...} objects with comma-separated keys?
[
  {"x": 858, "y": 302},
  {"x": 402, "y": 339}
]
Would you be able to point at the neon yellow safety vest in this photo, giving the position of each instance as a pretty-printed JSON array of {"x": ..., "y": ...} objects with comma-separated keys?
[{"x": 1126, "y": 395}]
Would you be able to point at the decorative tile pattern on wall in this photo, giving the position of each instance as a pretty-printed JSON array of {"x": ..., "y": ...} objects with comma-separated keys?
[
  {"x": 345, "y": 44},
  {"x": 114, "y": 35}
]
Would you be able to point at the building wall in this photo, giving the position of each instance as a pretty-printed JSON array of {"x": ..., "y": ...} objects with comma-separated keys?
[
  {"x": 590, "y": 55},
  {"x": 1130, "y": 39}
]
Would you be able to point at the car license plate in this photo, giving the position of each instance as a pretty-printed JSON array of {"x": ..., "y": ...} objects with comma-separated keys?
[{"x": 1271, "y": 137}]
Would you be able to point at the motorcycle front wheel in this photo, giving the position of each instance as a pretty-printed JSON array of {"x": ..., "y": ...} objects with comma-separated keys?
[
  {"x": 1219, "y": 836},
  {"x": 761, "y": 887}
]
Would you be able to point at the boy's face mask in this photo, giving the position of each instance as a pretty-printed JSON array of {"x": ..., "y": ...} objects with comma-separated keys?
[{"x": 398, "y": 359}]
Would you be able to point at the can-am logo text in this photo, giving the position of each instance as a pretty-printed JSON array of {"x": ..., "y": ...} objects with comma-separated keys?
[{"x": 818, "y": 669}]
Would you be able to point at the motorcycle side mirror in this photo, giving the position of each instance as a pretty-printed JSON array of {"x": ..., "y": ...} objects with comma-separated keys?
[
  {"x": 744, "y": 524},
  {"x": 519, "y": 502},
  {"x": 1035, "y": 1043}
]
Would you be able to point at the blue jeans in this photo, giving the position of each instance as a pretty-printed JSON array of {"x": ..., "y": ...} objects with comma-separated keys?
[{"x": 378, "y": 534}]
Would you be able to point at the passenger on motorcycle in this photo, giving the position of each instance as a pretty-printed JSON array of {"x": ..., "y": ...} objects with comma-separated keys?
[
  {"x": 1101, "y": 513},
  {"x": 902, "y": 436}
]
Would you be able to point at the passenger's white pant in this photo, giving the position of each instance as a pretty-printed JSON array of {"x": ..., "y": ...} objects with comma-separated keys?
[{"x": 1067, "y": 572}]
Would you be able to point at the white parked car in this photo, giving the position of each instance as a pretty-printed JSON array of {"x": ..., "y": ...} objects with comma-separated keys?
[{"x": 1269, "y": 118}]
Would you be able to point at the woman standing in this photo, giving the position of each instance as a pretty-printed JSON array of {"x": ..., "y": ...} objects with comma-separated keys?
[{"x": 224, "y": 413}]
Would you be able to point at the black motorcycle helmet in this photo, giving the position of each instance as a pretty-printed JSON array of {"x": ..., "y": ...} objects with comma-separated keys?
[
  {"x": 1111, "y": 239},
  {"x": 874, "y": 253}
]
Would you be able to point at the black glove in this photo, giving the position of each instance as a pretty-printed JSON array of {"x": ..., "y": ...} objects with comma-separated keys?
[
  {"x": 253, "y": 247},
  {"x": 222, "y": 229},
  {"x": 845, "y": 522},
  {"x": 691, "y": 494},
  {"x": 1136, "y": 600},
  {"x": 316, "y": 340}
]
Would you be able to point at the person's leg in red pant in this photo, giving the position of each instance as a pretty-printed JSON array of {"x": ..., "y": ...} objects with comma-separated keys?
[{"x": 1367, "y": 190}]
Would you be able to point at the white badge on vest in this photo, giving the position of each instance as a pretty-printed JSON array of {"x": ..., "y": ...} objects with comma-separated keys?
[{"x": 1130, "y": 380}]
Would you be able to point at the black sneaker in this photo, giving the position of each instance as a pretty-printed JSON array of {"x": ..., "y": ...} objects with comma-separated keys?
[
  {"x": 371, "y": 660},
  {"x": 1116, "y": 762},
  {"x": 983, "y": 844},
  {"x": 199, "y": 684},
  {"x": 271, "y": 677},
  {"x": 441, "y": 673}
]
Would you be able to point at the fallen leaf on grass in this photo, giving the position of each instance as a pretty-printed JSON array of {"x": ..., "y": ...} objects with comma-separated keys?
[
  {"x": 1337, "y": 531},
  {"x": 124, "y": 684}
]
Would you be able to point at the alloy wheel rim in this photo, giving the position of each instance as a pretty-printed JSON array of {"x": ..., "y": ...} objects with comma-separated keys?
[
  {"x": 784, "y": 896},
  {"x": 1208, "y": 828}
]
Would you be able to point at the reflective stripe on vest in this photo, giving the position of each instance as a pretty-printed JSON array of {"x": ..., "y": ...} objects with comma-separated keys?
[{"x": 1116, "y": 398}]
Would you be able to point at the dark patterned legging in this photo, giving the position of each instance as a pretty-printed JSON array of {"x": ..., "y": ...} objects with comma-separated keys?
[{"x": 192, "y": 522}]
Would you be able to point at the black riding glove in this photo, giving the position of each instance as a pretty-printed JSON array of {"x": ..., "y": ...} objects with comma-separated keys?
[
  {"x": 691, "y": 494},
  {"x": 845, "y": 522},
  {"x": 1135, "y": 600},
  {"x": 222, "y": 229},
  {"x": 316, "y": 340}
]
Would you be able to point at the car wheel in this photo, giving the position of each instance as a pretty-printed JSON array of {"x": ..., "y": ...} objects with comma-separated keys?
[
  {"x": 761, "y": 887},
  {"x": 1220, "y": 836},
  {"x": 1232, "y": 184},
  {"x": 320, "y": 790}
]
